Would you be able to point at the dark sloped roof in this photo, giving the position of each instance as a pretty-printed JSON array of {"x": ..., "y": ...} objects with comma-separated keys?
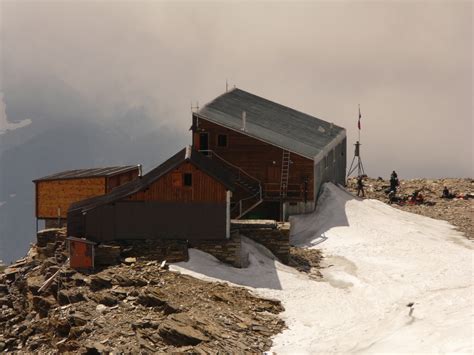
[
  {"x": 209, "y": 166},
  {"x": 89, "y": 173},
  {"x": 272, "y": 123}
]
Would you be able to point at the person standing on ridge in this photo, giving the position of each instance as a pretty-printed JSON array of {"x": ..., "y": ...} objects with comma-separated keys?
[
  {"x": 360, "y": 185},
  {"x": 394, "y": 183}
]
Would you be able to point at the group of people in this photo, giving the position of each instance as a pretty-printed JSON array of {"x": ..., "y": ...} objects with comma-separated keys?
[
  {"x": 415, "y": 198},
  {"x": 394, "y": 183}
]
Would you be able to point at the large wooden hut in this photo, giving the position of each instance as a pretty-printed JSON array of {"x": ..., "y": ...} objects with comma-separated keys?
[
  {"x": 55, "y": 193},
  {"x": 187, "y": 197},
  {"x": 286, "y": 155}
]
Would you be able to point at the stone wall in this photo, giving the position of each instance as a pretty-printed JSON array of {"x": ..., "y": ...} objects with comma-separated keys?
[
  {"x": 154, "y": 249},
  {"x": 274, "y": 236},
  {"x": 48, "y": 241},
  {"x": 55, "y": 223},
  {"x": 228, "y": 251}
]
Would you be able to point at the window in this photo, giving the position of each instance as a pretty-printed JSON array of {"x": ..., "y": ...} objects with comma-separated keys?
[
  {"x": 187, "y": 179},
  {"x": 222, "y": 140}
]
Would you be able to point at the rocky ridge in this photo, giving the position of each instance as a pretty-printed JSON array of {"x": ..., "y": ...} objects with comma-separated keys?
[
  {"x": 137, "y": 306},
  {"x": 457, "y": 211}
]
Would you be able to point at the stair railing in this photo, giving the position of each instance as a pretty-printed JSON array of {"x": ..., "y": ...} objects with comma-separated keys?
[{"x": 240, "y": 171}]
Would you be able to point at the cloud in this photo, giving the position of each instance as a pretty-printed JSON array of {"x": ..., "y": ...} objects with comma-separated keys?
[{"x": 409, "y": 65}]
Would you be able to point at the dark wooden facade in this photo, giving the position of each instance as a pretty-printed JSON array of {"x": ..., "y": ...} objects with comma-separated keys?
[
  {"x": 180, "y": 199},
  {"x": 171, "y": 187},
  {"x": 259, "y": 159},
  {"x": 111, "y": 182}
]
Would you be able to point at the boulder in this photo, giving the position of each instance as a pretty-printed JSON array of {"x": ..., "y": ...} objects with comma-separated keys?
[
  {"x": 42, "y": 305},
  {"x": 99, "y": 282},
  {"x": 78, "y": 319},
  {"x": 155, "y": 299},
  {"x": 70, "y": 296},
  {"x": 34, "y": 283},
  {"x": 62, "y": 328},
  {"x": 95, "y": 347},
  {"x": 106, "y": 299},
  {"x": 179, "y": 334}
]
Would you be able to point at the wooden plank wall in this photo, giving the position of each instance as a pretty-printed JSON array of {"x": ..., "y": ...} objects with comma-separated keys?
[
  {"x": 257, "y": 157},
  {"x": 51, "y": 194},
  {"x": 204, "y": 188},
  {"x": 120, "y": 179}
]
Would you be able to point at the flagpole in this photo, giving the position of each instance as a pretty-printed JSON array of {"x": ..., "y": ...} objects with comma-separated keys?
[{"x": 359, "y": 123}]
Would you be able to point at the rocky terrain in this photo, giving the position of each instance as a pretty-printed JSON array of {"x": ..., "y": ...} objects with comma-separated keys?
[
  {"x": 456, "y": 211},
  {"x": 307, "y": 261},
  {"x": 137, "y": 306}
]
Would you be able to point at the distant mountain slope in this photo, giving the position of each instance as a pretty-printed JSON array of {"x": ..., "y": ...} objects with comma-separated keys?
[
  {"x": 67, "y": 130},
  {"x": 61, "y": 147}
]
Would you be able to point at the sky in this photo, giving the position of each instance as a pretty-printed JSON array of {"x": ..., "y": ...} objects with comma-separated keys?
[{"x": 407, "y": 63}]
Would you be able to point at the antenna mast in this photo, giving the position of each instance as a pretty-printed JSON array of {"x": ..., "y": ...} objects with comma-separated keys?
[{"x": 357, "y": 158}]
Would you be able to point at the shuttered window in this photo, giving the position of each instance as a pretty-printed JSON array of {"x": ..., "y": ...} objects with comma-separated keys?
[
  {"x": 188, "y": 179},
  {"x": 222, "y": 140}
]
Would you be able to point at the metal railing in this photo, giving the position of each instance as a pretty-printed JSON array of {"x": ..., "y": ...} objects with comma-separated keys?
[
  {"x": 248, "y": 203},
  {"x": 241, "y": 206},
  {"x": 273, "y": 191},
  {"x": 240, "y": 172}
]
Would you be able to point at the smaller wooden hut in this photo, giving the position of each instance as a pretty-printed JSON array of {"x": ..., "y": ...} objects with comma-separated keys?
[
  {"x": 81, "y": 253},
  {"x": 187, "y": 197},
  {"x": 55, "y": 193}
]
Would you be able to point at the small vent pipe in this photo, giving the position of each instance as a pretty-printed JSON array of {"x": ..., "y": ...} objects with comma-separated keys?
[
  {"x": 244, "y": 121},
  {"x": 140, "y": 172}
]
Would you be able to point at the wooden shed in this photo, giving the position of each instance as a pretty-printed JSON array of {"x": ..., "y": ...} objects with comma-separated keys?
[
  {"x": 81, "y": 253},
  {"x": 55, "y": 193},
  {"x": 187, "y": 197}
]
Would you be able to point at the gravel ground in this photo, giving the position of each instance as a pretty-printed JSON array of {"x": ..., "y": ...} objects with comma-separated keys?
[
  {"x": 131, "y": 308},
  {"x": 456, "y": 211}
]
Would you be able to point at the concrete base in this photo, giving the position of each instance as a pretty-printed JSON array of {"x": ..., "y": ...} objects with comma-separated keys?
[{"x": 291, "y": 208}]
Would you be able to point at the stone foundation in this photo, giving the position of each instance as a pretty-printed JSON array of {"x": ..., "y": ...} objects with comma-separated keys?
[
  {"x": 274, "y": 236},
  {"x": 55, "y": 223},
  {"x": 228, "y": 251},
  {"x": 172, "y": 250},
  {"x": 48, "y": 241}
]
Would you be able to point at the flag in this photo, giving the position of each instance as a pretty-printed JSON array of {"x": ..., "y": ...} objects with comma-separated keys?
[{"x": 358, "y": 122}]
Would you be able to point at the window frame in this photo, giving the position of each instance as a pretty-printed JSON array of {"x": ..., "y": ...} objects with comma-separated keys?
[
  {"x": 226, "y": 140},
  {"x": 185, "y": 181}
]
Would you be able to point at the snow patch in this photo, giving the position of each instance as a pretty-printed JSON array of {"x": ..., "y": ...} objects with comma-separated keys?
[
  {"x": 5, "y": 125},
  {"x": 378, "y": 260}
]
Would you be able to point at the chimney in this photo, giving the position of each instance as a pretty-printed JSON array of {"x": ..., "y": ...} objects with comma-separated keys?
[
  {"x": 244, "y": 121},
  {"x": 140, "y": 170}
]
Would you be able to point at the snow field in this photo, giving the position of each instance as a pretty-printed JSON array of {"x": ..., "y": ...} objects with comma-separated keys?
[{"x": 377, "y": 260}]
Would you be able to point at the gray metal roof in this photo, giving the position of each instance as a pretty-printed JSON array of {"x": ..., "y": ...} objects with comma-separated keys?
[
  {"x": 272, "y": 123},
  {"x": 89, "y": 173}
]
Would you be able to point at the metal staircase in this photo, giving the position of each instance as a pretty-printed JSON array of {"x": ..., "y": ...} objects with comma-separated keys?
[
  {"x": 285, "y": 173},
  {"x": 246, "y": 181}
]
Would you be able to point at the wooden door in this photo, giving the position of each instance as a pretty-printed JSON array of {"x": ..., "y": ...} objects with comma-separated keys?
[{"x": 203, "y": 141}]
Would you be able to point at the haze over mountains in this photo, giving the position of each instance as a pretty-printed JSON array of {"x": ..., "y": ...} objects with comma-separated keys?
[
  {"x": 111, "y": 83},
  {"x": 66, "y": 132}
]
